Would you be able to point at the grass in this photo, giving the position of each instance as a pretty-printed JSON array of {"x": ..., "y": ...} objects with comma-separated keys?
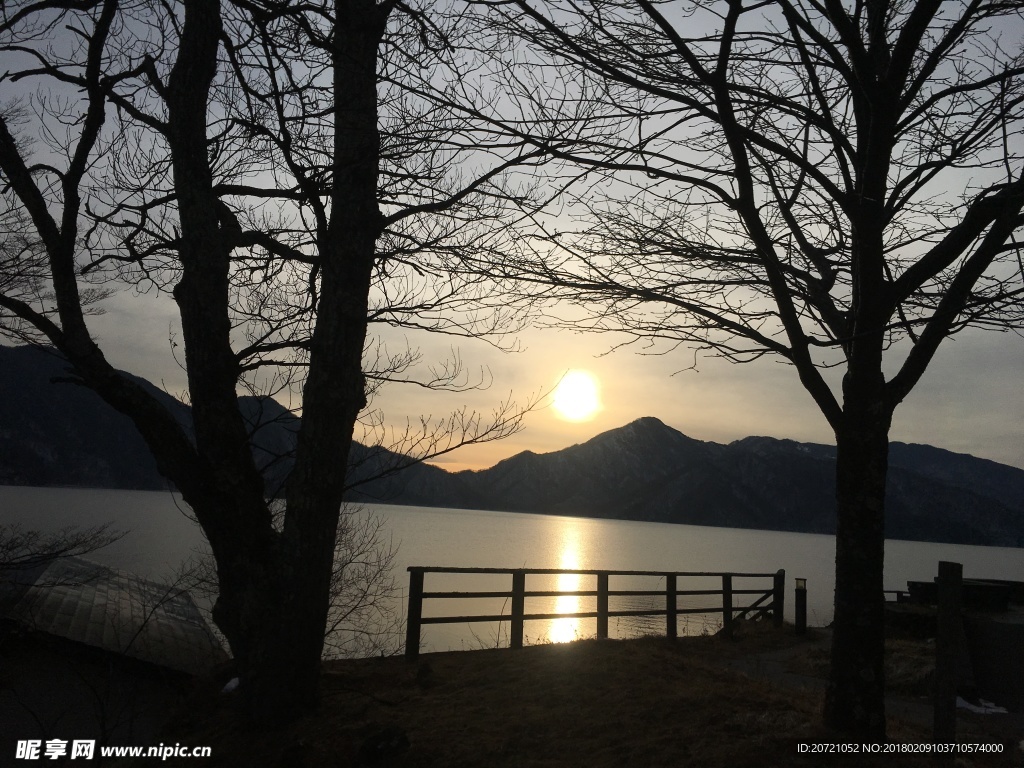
[
  {"x": 646, "y": 702},
  {"x": 909, "y": 666}
]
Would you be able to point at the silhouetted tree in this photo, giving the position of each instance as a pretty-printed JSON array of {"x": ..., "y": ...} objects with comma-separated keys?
[
  {"x": 264, "y": 162},
  {"x": 26, "y": 549},
  {"x": 831, "y": 184}
]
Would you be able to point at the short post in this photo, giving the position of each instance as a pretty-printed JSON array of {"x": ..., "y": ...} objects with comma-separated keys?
[
  {"x": 414, "y": 614},
  {"x": 800, "y": 606},
  {"x": 727, "y": 604},
  {"x": 950, "y": 588},
  {"x": 602, "y": 606},
  {"x": 518, "y": 608},
  {"x": 779, "y": 597},
  {"x": 670, "y": 605}
]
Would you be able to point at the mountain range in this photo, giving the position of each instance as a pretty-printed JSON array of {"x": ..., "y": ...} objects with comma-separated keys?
[{"x": 54, "y": 432}]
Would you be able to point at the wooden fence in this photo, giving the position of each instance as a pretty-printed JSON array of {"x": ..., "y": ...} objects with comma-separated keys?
[{"x": 768, "y": 600}]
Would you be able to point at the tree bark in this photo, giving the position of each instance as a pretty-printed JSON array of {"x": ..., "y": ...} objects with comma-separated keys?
[
  {"x": 284, "y": 670},
  {"x": 855, "y": 696},
  {"x": 274, "y": 576}
]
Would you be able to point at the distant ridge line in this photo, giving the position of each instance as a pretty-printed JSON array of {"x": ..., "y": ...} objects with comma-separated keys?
[{"x": 55, "y": 434}]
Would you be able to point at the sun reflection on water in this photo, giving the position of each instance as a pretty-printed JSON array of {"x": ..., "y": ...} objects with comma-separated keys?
[{"x": 568, "y": 629}]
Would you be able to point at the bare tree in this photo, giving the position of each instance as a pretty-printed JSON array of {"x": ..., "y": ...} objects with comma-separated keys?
[
  {"x": 22, "y": 549},
  {"x": 829, "y": 184},
  {"x": 257, "y": 159},
  {"x": 365, "y": 607},
  {"x": 23, "y": 272},
  {"x": 365, "y": 616}
]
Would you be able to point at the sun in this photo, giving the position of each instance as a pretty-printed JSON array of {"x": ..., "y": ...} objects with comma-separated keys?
[{"x": 576, "y": 397}]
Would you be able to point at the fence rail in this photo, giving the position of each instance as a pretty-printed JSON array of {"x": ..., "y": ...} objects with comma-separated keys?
[{"x": 769, "y": 601}]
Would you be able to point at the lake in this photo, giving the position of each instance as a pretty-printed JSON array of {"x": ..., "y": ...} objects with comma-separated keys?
[{"x": 161, "y": 535}]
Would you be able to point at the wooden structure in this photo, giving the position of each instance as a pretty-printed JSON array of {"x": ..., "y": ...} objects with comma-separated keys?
[
  {"x": 768, "y": 601},
  {"x": 948, "y": 648},
  {"x": 113, "y": 611}
]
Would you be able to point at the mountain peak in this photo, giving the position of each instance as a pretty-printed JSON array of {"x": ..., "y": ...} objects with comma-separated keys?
[
  {"x": 647, "y": 421},
  {"x": 647, "y": 426},
  {"x": 54, "y": 434}
]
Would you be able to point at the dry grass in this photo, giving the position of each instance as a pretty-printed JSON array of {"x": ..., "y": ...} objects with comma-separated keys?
[
  {"x": 909, "y": 666},
  {"x": 646, "y": 702}
]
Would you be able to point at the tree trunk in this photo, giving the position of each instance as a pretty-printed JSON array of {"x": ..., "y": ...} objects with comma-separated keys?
[
  {"x": 275, "y": 581},
  {"x": 274, "y": 576},
  {"x": 276, "y": 640},
  {"x": 282, "y": 673},
  {"x": 855, "y": 697}
]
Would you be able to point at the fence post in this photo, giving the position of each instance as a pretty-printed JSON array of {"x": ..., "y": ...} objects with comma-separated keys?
[
  {"x": 602, "y": 606},
  {"x": 950, "y": 588},
  {"x": 727, "y": 604},
  {"x": 518, "y": 608},
  {"x": 779, "y": 596},
  {"x": 800, "y": 606},
  {"x": 415, "y": 613},
  {"x": 670, "y": 605}
]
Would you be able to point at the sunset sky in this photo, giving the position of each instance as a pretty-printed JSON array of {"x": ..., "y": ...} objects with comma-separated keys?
[{"x": 970, "y": 400}]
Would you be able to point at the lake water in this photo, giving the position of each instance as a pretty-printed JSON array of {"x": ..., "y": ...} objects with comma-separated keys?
[{"x": 161, "y": 535}]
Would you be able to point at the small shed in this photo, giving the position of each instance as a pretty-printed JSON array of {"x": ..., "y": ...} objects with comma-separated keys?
[{"x": 85, "y": 602}]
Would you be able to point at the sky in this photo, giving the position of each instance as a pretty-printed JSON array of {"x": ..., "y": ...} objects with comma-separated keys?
[{"x": 969, "y": 401}]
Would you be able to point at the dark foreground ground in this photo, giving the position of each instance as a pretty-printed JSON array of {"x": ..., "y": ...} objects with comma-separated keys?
[{"x": 699, "y": 701}]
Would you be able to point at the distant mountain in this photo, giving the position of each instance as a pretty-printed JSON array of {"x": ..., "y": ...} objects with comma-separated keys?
[
  {"x": 649, "y": 471},
  {"x": 58, "y": 433},
  {"x": 55, "y": 432}
]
